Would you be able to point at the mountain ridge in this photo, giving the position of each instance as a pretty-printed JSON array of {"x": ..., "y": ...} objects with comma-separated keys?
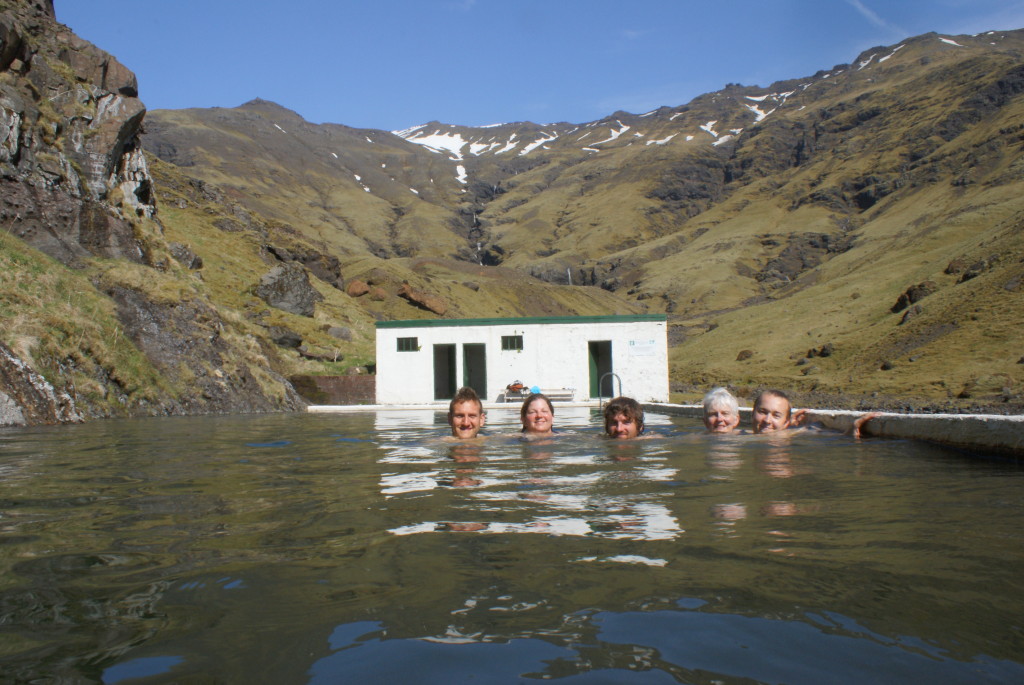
[
  {"x": 732, "y": 201},
  {"x": 852, "y": 236}
]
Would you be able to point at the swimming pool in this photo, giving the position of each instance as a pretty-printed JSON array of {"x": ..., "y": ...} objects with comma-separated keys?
[{"x": 362, "y": 548}]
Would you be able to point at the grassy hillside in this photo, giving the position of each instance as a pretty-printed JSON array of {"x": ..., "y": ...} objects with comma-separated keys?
[
  {"x": 235, "y": 256},
  {"x": 777, "y": 227}
]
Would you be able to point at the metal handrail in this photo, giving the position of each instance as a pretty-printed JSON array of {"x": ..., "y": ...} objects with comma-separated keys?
[{"x": 600, "y": 385}]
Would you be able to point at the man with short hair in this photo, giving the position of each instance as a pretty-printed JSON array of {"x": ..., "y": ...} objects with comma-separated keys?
[
  {"x": 623, "y": 418},
  {"x": 774, "y": 412},
  {"x": 466, "y": 414}
]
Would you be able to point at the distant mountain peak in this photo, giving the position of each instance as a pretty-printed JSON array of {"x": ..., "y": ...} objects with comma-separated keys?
[{"x": 268, "y": 106}]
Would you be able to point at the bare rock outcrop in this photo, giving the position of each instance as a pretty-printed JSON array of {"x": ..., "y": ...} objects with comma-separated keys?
[
  {"x": 26, "y": 398},
  {"x": 72, "y": 172},
  {"x": 287, "y": 287},
  {"x": 357, "y": 288},
  {"x": 325, "y": 267},
  {"x": 913, "y": 294},
  {"x": 186, "y": 338},
  {"x": 432, "y": 303}
]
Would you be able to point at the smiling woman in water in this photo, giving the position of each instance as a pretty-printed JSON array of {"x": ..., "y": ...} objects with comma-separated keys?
[{"x": 538, "y": 416}]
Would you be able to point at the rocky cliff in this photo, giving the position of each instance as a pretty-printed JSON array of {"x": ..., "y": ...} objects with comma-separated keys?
[
  {"x": 71, "y": 167},
  {"x": 101, "y": 316}
]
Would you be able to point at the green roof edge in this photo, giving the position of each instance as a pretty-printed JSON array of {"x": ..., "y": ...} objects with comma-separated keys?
[{"x": 440, "y": 323}]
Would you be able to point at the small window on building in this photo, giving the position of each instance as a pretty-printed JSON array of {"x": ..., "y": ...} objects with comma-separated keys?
[
  {"x": 408, "y": 344},
  {"x": 512, "y": 342}
]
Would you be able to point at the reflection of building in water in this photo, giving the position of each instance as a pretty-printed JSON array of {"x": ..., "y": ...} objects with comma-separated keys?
[
  {"x": 642, "y": 522},
  {"x": 398, "y": 420},
  {"x": 561, "y": 505},
  {"x": 400, "y": 434},
  {"x": 570, "y": 485}
]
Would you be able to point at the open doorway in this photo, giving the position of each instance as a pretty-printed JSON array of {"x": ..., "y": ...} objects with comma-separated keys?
[
  {"x": 474, "y": 368},
  {"x": 599, "y": 353},
  {"x": 444, "y": 372}
]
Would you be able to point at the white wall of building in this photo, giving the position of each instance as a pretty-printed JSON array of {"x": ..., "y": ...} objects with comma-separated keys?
[{"x": 555, "y": 355}]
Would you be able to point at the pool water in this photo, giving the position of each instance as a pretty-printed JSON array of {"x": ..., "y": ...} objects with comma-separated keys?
[{"x": 363, "y": 548}]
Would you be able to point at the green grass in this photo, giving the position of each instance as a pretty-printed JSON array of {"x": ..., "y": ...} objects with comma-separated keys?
[{"x": 55, "y": 320}]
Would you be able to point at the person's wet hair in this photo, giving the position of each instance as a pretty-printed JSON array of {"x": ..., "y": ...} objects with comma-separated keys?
[
  {"x": 629, "y": 408},
  {"x": 530, "y": 399},
  {"x": 772, "y": 392},
  {"x": 721, "y": 398},
  {"x": 465, "y": 395}
]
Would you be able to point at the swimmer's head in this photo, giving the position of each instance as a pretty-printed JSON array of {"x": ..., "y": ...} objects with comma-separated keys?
[{"x": 466, "y": 414}]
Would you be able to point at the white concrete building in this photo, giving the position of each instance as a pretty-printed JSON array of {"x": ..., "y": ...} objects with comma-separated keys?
[{"x": 574, "y": 358}]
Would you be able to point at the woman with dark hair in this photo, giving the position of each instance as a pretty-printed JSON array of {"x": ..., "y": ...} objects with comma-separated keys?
[
  {"x": 538, "y": 416},
  {"x": 623, "y": 418}
]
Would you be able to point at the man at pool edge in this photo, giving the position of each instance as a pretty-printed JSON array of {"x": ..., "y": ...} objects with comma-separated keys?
[
  {"x": 466, "y": 415},
  {"x": 774, "y": 412},
  {"x": 623, "y": 418}
]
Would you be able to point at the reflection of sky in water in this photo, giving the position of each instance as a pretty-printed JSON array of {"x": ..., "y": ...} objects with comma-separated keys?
[
  {"x": 140, "y": 668},
  {"x": 664, "y": 646}
]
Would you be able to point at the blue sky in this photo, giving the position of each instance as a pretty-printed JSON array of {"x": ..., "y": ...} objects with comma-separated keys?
[{"x": 392, "y": 64}]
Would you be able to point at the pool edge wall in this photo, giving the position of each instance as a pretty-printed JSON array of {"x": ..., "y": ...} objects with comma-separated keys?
[{"x": 1003, "y": 435}]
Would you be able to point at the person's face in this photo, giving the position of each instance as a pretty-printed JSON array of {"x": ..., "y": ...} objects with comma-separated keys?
[
  {"x": 771, "y": 413},
  {"x": 719, "y": 419},
  {"x": 466, "y": 419},
  {"x": 621, "y": 427},
  {"x": 538, "y": 417}
]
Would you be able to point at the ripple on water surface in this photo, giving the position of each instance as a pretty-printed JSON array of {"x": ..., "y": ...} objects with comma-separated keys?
[{"x": 365, "y": 547}]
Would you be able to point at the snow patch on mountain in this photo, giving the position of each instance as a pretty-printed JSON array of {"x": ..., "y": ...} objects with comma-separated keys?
[
  {"x": 477, "y": 149},
  {"x": 545, "y": 138},
  {"x": 440, "y": 142},
  {"x": 882, "y": 59},
  {"x": 614, "y": 133},
  {"x": 511, "y": 144},
  {"x": 759, "y": 115},
  {"x": 663, "y": 141}
]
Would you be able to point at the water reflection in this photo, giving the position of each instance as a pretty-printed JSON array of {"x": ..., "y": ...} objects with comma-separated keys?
[
  {"x": 569, "y": 484},
  {"x": 691, "y": 646},
  {"x": 366, "y": 548}
]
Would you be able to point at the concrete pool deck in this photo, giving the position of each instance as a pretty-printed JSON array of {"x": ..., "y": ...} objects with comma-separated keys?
[{"x": 975, "y": 432}]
